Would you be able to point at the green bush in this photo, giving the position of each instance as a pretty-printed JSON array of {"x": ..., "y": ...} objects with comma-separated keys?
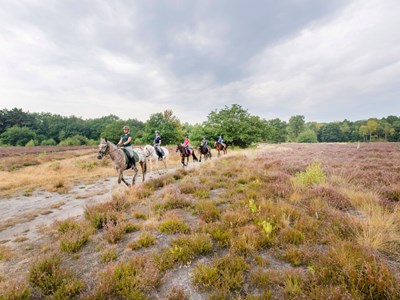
[
  {"x": 307, "y": 136},
  {"x": 77, "y": 140},
  {"x": 52, "y": 279},
  {"x": 48, "y": 142},
  {"x": 17, "y": 136},
  {"x": 313, "y": 175}
]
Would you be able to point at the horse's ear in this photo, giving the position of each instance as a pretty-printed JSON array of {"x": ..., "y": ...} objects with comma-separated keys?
[{"x": 105, "y": 140}]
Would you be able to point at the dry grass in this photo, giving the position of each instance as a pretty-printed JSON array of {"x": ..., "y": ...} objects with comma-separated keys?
[
  {"x": 252, "y": 225},
  {"x": 55, "y": 176}
]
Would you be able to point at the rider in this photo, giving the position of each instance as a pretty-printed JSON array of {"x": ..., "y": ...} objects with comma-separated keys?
[
  {"x": 157, "y": 144},
  {"x": 221, "y": 141},
  {"x": 204, "y": 142},
  {"x": 126, "y": 142},
  {"x": 186, "y": 144}
]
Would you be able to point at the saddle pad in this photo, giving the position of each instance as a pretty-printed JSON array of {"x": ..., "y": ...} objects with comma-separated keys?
[{"x": 136, "y": 155}]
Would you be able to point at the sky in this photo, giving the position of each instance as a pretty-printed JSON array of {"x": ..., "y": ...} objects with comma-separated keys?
[{"x": 327, "y": 60}]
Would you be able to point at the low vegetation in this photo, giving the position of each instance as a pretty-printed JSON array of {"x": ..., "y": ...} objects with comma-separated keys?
[{"x": 278, "y": 222}]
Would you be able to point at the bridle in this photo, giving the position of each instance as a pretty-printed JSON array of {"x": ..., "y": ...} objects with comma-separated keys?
[
  {"x": 149, "y": 151},
  {"x": 104, "y": 152}
]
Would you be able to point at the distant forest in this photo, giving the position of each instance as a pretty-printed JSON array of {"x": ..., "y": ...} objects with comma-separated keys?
[{"x": 237, "y": 126}]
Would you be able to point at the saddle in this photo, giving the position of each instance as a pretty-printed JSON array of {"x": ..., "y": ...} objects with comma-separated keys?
[
  {"x": 188, "y": 150},
  {"x": 159, "y": 151},
  {"x": 130, "y": 160}
]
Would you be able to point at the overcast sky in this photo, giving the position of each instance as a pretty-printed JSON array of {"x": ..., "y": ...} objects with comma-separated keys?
[{"x": 327, "y": 60}]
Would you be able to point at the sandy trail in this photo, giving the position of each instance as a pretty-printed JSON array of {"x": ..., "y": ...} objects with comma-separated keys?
[{"x": 22, "y": 217}]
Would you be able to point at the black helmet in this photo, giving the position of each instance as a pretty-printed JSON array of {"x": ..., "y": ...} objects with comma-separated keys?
[{"x": 186, "y": 135}]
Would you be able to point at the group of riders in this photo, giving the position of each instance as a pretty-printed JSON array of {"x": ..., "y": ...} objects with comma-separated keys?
[{"x": 126, "y": 142}]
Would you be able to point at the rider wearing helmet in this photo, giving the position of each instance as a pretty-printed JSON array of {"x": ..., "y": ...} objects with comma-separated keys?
[
  {"x": 204, "y": 142},
  {"x": 186, "y": 144},
  {"x": 157, "y": 145},
  {"x": 221, "y": 141},
  {"x": 126, "y": 142}
]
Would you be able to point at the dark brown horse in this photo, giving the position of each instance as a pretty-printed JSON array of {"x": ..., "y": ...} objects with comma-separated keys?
[
  {"x": 220, "y": 147},
  {"x": 205, "y": 151},
  {"x": 184, "y": 154}
]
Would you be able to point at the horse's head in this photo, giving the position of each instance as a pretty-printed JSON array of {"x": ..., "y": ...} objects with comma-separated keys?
[
  {"x": 148, "y": 150},
  {"x": 178, "y": 147},
  {"x": 104, "y": 148}
]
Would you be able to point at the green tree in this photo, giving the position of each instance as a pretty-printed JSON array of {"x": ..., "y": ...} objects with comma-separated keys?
[
  {"x": 17, "y": 136},
  {"x": 15, "y": 116},
  {"x": 113, "y": 131},
  {"x": 276, "y": 131},
  {"x": 307, "y": 136},
  {"x": 372, "y": 126},
  {"x": 168, "y": 125},
  {"x": 331, "y": 133},
  {"x": 363, "y": 130},
  {"x": 295, "y": 126},
  {"x": 236, "y": 125}
]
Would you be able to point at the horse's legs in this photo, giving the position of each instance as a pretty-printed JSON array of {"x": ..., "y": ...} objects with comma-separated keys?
[
  {"x": 121, "y": 177},
  {"x": 151, "y": 164},
  {"x": 165, "y": 164},
  {"x": 144, "y": 169},
  {"x": 134, "y": 175},
  {"x": 158, "y": 171}
]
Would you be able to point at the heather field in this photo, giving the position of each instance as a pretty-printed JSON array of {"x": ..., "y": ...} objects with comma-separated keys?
[{"x": 290, "y": 221}]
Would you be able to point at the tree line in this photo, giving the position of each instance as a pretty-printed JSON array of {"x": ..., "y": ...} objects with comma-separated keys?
[{"x": 237, "y": 126}]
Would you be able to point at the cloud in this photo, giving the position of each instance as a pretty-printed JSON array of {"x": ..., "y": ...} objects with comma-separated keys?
[{"x": 326, "y": 60}]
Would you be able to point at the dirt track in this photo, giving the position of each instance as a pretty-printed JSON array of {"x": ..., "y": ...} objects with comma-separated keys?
[{"x": 24, "y": 216}]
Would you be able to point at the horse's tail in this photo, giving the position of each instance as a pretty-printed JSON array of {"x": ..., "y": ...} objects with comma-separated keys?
[{"x": 194, "y": 157}]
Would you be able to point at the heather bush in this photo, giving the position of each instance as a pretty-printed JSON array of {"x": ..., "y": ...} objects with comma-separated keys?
[
  {"x": 52, "y": 279},
  {"x": 225, "y": 272},
  {"x": 173, "y": 226}
]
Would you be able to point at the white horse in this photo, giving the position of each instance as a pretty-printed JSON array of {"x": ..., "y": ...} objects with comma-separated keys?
[{"x": 150, "y": 154}]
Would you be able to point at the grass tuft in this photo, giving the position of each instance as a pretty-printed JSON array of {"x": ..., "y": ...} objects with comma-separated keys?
[
  {"x": 52, "y": 279},
  {"x": 173, "y": 226}
]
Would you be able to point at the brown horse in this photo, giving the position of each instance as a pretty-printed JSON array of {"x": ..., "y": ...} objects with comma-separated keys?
[
  {"x": 184, "y": 154},
  {"x": 120, "y": 161},
  {"x": 220, "y": 147},
  {"x": 205, "y": 151}
]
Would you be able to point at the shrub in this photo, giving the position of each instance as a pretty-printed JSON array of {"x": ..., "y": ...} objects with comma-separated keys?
[
  {"x": 14, "y": 289},
  {"x": 100, "y": 214},
  {"x": 128, "y": 280},
  {"x": 145, "y": 240},
  {"x": 5, "y": 253},
  {"x": 184, "y": 250},
  {"x": 31, "y": 143},
  {"x": 221, "y": 234},
  {"x": 48, "y": 275},
  {"x": 113, "y": 232},
  {"x": 75, "y": 140},
  {"x": 109, "y": 254},
  {"x": 313, "y": 175},
  {"x": 359, "y": 271},
  {"x": 307, "y": 136},
  {"x": 73, "y": 235},
  {"x": 48, "y": 142},
  {"x": 173, "y": 226},
  {"x": 208, "y": 211},
  {"x": 224, "y": 272},
  {"x": 130, "y": 227}
]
